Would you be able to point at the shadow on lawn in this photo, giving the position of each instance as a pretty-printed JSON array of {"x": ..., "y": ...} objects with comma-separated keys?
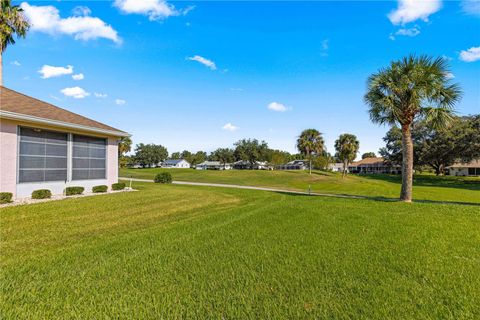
[
  {"x": 376, "y": 198},
  {"x": 469, "y": 183}
]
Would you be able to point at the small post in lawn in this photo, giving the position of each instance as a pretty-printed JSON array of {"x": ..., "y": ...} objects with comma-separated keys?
[
  {"x": 130, "y": 187},
  {"x": 309, "y": 190}
]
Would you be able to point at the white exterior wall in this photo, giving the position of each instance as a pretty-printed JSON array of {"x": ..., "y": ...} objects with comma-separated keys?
[
  {"x": 8, "y": 156},
  {"x": 458, "y": 172},
  {"x": 9, "y": 160}
]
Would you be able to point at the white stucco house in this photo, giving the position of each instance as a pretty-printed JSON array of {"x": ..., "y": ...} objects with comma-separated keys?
[
  {"x": 46, "y": 147},
  {"x": 336, "y": 167},
  {"x": 471, "y": 168},
  {"x": 294, "y": 165},
  {"x": 175, "y": 164},
  {"x": 213, "y": 165},
  {"x": 244, "y": 164}
]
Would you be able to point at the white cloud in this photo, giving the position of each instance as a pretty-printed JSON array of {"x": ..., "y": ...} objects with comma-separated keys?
[
  {"x": 471, "y": 7},
  {"x": 100, "y": 95},
  {"x": 79, "y": 76},
  {"x": 50, "y": 71},
  {"x": 230, "y": 127},
  {"x": 120, "y": 102},
  {"x": 410, "y": 32},
  {"x": 275, "y": 106},
  {"x": 412, "y": 10},
  {"x": 16, "y": 63},
  {"x": 154, "y": 9},
  {"x": 206, "y": 62},
  {"x": 47, "y": 19},
  {"x": 75, "y": 92},
  {"x": 470, "y": 55},
  {"x": 81, "y": 11}
]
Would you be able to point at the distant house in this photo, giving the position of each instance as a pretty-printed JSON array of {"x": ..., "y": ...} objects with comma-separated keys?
[
  {"x": 175, "y": 164},
  {"x": 46, "y": 147},
  {"x": 373, "y": 166},
  {"x": 213, "y": 165},
  {"x": 294, "y": 165},
  {"x": 246, "y": 165},
  {"x": 465, "y": 169},
  {"x": 336, "y": 167}
]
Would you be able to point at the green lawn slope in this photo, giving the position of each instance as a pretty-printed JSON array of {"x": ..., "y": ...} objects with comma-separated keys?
[
  {"x": 184, "y": 252},
  {"x": 426, "y": 187}
]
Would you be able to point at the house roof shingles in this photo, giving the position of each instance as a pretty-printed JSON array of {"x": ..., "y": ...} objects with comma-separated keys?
[
  {"x": 367, "y": 161},
  {"x": 15, "y": 102}
]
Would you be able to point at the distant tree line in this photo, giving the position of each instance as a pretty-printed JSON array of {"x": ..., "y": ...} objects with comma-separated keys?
[
  {"x": 434, "y": 149},
  {"x": 249, "y": 150},
  {"x": 437, "y": 148}
]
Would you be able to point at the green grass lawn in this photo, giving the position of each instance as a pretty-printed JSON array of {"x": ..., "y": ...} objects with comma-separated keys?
[
  {"x": 426, "y": 187},
  {"x": 172, "y": 252}
]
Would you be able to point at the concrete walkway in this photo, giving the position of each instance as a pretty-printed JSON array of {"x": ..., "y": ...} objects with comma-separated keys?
[
  {"x": 345, "y": 196},
  {"x": 236, "y": 186}
]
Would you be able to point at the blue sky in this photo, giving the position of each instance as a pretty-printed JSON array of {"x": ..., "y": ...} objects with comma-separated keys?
[{"x": 202, "y": 75}]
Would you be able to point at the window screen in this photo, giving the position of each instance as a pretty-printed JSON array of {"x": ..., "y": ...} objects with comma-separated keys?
[
  {"x": 473, "y": 171},
  {"x": 88, "y": 158},
  {"x": 42, "y": 155}
]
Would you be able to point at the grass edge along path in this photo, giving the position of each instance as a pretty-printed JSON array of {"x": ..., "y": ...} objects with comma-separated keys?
[{"x": 307, "y": 193}]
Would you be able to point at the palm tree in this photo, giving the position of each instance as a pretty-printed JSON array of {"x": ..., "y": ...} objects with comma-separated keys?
[
  {"x": 12, "y": 22},
  {"x": 124, "y": 146},
  {"x": 347, "y": 146},
  {"x": 411, "y": 89},
  {"x": 309, "y": 143}
]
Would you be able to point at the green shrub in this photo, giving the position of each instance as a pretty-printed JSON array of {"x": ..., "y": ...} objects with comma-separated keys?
[
  {"x": 118, "y": 186},
  {"x": 71, "y": 191},
  {"x": 98, "y": 189},
  {"x": 41, "y": 194},
  {"x": 163, "y": 177},
  {"x": 5, "y": 197}
]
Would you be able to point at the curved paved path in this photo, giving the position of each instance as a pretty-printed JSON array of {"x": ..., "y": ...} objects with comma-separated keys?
[
  {"x": 236, "y": 186},
  {"x": 345, "y": 196}
]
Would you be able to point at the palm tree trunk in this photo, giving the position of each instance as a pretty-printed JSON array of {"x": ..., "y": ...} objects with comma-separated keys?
[
  {"x": 310, "y": 165},
  {"x": 344, "y": 169},
  {"x": 1, "y": 68},
  {"x": 407, "y": 164}
]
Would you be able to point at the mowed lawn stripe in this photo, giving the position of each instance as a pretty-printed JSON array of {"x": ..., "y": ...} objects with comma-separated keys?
[
  {"x": 426, "y": 187},
  {"x": 261, "y": 255}
]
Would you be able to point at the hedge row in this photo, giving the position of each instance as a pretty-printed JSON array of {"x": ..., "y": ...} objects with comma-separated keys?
[
  {"x": 41, "y": 194},
  {"x": 99, "y": 189},
  {"x": 5, "y": 197}
]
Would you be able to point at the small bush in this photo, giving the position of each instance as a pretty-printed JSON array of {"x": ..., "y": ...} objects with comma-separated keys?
[
  {"x": 41, "y": 194},
  {"x": 5, "y": 197},
  {"x": 99, "y": 189},
  {"x": 71, "y": 191},
  {"x": 118, "y": 186},
  {"x": 163, "y": 177}
]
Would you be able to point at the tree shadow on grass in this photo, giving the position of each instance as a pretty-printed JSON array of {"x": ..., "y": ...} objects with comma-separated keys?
[
  {"x": 467, "y": 183},
  {"x": 375, "y": 198}
]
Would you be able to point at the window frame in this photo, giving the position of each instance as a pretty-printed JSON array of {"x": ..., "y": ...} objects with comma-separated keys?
[
  {"x": 69, "y": 157},
  {"x": 89, "y": 158},
  {"x": 18, "y": 154}
]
